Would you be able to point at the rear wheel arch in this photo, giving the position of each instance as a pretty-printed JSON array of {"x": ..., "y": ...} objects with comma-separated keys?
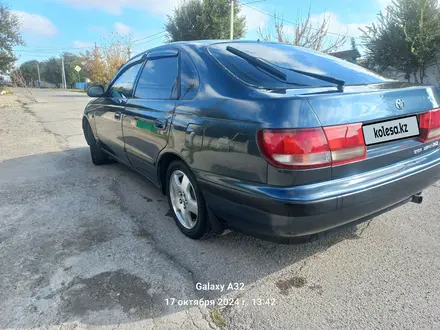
[
  {"x": 85, "y": 125},
  {"x": 165, "y": 160},
  {"x": 162, "y": 165}
]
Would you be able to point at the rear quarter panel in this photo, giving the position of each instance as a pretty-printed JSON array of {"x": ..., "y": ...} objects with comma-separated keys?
[
  {"x": 230, "y": 114},
  {"x": 89, "y": 113},
  {"x": 228, "y": 146}
]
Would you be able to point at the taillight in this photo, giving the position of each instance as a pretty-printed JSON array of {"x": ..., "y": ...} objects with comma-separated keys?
[
  {"x": 312, "y": 147},
  {"x": 346, "y": 143},
  {"x": 295, "y": 148},
  {"x": 430, "y": 125}
]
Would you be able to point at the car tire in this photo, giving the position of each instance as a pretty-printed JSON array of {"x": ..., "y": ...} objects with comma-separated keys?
[
  {"x": 198, "y": 227},
  {"x": 99, "y": 157}
]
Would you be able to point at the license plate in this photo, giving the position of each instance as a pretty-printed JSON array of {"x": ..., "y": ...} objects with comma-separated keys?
[{"x": 391, "y": 130}]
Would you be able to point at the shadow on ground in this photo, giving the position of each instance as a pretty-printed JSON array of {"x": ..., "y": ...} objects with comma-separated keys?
[{"x": 98, "y": 244}]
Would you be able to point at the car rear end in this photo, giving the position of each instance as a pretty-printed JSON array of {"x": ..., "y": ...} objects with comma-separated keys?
[
  {"x": 381, "y": 155},
  {"x": 369, "y": 148}
]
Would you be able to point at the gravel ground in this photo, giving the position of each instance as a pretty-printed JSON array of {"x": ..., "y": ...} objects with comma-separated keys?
[{"x": 94, "y": 247}]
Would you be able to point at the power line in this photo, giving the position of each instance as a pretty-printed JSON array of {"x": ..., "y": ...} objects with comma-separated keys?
[
  {"x": 38, "y": 55},
  {"x": 144, "y": 42},
  {"x": 153, "y": 35},
  {"x": 250, "y": 2},
  {"x": 53, "y": 50},
  {"x": 295, "y": 24},
  {"x": 33, "y": 54}
]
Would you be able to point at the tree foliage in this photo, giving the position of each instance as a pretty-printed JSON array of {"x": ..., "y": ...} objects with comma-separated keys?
[
  {"x": 116, "y": 51},
  {"x": 104, "y": 61},
  {"x": 304, "y": 33},
  {"x": 29, "y": 71},
  {"x": 51, "y": 71},
  {"x": 207, "y": 19},
  {"x": 406, "y": 37},
  {"x": 96, "y": 66},
  {"x": 9, "y": 37},
  {"x": 70, "y": 62}
]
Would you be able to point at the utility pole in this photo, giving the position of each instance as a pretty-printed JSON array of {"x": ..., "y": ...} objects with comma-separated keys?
[
  {"x": 62, "y": 76},
  {"x": 231, "y": 32},
  {"x": 63, "y": 73},
  {"x": 39, "y": 78},
  {"x": 129, "y": 52}
]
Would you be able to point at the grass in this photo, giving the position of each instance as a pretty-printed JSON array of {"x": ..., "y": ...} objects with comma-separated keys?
[
  {"x": 218, "y": 319},
  {"x": 7, "y": 91},
  {"x": 68, "y": 89},
  {"x": 77, "y": 90}
]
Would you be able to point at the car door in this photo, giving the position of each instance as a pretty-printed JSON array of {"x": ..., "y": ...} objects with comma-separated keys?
[
  {"x": 148, "y": 114},
  {"x": 108, "y": 113}
]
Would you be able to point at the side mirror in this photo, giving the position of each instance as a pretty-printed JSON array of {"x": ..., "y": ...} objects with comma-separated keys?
[{"x": 95, "y": 91}]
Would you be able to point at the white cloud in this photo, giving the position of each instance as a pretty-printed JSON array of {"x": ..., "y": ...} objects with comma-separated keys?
[
  {"x": 82, "y": 44},
  {"x": 35, "y": 24},
  {"x": 383, "y": 3},
  {"x": 116, "y": 7},
  {"x": 254, "y": 19},
  {"x": 336, "y": 26},
  {"x": 122, "y": 29}
]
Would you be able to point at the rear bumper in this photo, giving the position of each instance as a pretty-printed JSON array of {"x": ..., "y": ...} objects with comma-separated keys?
[{"x": 295, "y": 213}]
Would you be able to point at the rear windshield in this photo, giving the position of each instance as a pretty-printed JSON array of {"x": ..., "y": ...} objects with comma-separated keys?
[{"x": 285, "y": 57}]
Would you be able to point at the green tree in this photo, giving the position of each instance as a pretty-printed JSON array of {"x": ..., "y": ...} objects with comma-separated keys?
[
  {"x": 51, "y": 71},
  {"x": 207, "y": 19},
  {"x": 70, "y": 62},
  {"x": 29, "y": 71},
  {"x": 405, "y": 37},
  {"x": 9, "y": 37}
]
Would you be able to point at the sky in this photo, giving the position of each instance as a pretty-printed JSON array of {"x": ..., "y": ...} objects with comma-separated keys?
[{"x": 50, "y": 27}]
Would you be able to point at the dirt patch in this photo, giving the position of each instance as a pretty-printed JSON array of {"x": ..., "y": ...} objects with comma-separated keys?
[
  {"x": 106, "y": 291},
  {"x": 293, "y": 282}
]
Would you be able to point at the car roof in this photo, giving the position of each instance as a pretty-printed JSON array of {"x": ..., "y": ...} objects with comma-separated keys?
[{"x": 200, "y": 44}]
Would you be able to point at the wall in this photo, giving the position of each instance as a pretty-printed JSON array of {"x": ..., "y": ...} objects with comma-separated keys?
[{"x": 432, "y": 75}]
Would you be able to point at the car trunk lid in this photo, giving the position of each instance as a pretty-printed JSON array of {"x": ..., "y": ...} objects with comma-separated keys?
[{"x": 389, "y": 114}]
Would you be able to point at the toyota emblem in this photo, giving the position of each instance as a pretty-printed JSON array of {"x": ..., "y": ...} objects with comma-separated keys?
[{"x": 400, "y": 104}]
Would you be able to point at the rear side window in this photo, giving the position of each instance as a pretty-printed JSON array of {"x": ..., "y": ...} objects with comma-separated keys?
[
  {"x": 123, "y": 85},
  {"x": 285, "y": 57},
  {"x": 158, "y": 79},
  {"x": 189, "y": 79}
]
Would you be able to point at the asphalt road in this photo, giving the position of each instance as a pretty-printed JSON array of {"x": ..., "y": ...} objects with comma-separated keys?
[{"x": 83, "y": 246}]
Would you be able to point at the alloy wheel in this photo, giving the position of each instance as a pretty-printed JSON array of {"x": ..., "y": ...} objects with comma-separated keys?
[{"x": 183, "y": 199}]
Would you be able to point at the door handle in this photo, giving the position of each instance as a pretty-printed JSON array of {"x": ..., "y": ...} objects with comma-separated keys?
[
  {"x": 117, "y": 115},
  {"x": 160, "y": 124}
]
